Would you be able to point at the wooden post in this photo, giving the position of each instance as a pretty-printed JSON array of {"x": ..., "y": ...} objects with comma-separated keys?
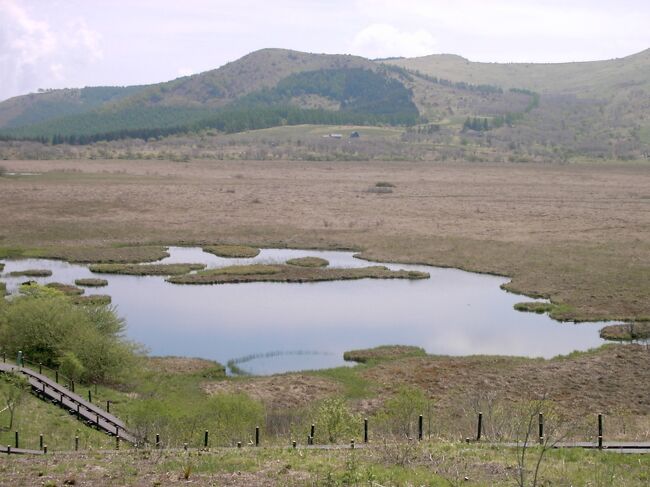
[
  {"x": 185, "y": 446},
  {"x": 600, "y": 431},
  {"x": 293, "y": 443},
  {"x": 72, "y": 385},
  {"x": 40, "y": 441},
  {"x": 8, "y": 449},
  {"x": 117, "y": 442},
  {"x": 56, "y": 376},
  {"x": 257, "y": 436},
  {"x": 43, "y": 388},
  {"x": 108, "y": 406},
  {"x": 97, "y": 419},
  {"x": 90, "y": 396},
  {"x": 205, "y": 439},
  {"x": 420, "y": 427},
  {"x": 78, "y": 411},
  {"x": 541, "y": 428},
  {"x": 45, "y": 449},
  {"x": 365, "y": 430},
  {"x": 157, "y": 440},
  {"x": 352, "y": 443},
  {"x": 76, "y": 443},
  {"x": 239, "y": 444},
  {"x": 312, "y": 431},
  {"x": 40, "y": 368},
  {"x": 480, "y": 426},
  {"x": 309, "y": 440},
  {"x": 16, "y": 439}
]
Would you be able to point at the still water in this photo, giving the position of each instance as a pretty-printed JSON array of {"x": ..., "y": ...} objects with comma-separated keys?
[{"x": 309, "y": 326}]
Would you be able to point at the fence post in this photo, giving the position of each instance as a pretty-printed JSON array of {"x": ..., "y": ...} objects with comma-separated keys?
[
  {"x": 205, "y": 439},
  {"x": 56, "y": 376},
  {"x": 117, "y": 442},
  {"x": 157, "y": 440},
  {"x": 40, "y": 441},
  {"x": 541, "y": 428},
  {"x": 420, "y": 427},
  {"x": 76, "y": 443},
  {"x": 72, "y": 385},
  {"x": 108, "y": 406},
  {"x": 16, "y": 439},
  {"x": 600, "y": 431},
  {"x": 365, "y": 430},
  {"x": 239, "y": 444},
  {"x": 480, "y": 426},
  {"x": 257, "y": 436},
  {"x": 293, "y": 443},
  {"x": 45, "y": 449},
  {"x": 78, "y": 411},
  {"x": 90, "y": 396},
  {"x": 40, "y": 368},
  {"x": 312, "y": 431},
  {"x": 8, "y": 449},
  {"x": 352, "y": 443}
]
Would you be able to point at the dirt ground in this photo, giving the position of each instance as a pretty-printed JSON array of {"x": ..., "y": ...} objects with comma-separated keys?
[{"x": 577, "y": 233}]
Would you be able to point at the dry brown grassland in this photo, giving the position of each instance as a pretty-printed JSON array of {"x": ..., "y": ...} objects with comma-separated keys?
[{"x": 578, "y": 234}]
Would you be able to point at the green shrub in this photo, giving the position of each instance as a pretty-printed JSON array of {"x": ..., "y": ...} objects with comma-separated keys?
[{"x": 335, "y": 421}]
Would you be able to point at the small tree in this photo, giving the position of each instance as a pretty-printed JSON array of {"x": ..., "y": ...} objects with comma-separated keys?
[{"x": 13, "y": 392}]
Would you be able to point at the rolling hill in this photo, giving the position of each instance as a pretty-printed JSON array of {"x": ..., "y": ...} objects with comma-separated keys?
[{"x": 593, "y": 108}]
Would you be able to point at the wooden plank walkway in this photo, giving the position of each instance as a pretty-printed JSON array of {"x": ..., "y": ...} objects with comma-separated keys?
[{"x": 62, "y": 396}]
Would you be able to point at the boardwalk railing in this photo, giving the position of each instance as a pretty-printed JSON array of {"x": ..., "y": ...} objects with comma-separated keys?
[{"x": 84, "y": 410}]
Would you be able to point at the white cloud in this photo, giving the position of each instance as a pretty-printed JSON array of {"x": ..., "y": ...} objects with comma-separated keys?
[
  {"x": 35, "y": 53},
  {"x": 384, "y": 40}
]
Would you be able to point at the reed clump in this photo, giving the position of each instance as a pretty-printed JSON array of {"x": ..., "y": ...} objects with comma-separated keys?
[
  {"x": 91, "y": 282},
  {"x": 309, "y": 262},
  {"x": 146, "y": 269},
  {"x": 32, "y": 273},
  {"x": 232, "y": 251}
]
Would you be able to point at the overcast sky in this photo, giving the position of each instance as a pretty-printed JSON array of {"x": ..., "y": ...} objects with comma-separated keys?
[{"x": 75, "y": 43}]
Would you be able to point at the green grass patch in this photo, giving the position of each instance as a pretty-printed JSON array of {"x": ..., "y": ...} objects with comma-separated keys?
[
  {"x": 90, "y": 282},
  {"x": 67, "y": 289},
  {"x": 534, "y": 307},
  {"x": 145, "y": 269},
  {"x": 384, "y": 352},
  {"x": 289, "y": 273},
  {"x": 92, "y": 300},
  {"x": 3, "y": 288},
  {"x": 32, "y": 273},
  {"x": 232, "y": 251},
  {"x": 309, "y": 262},
  {"x": 354, "y": 386}
]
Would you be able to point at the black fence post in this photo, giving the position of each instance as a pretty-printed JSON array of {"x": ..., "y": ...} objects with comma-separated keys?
[
  {"x": 420, "y": 427},
  {"x": 257, "y": 436},
  {"x": 56, "y": 376},
  {"x": 205, "y": 439},
  {"x": 45, "y": 449},
  {"x": 40, "y": 368},
  {"x": 600, "y": 431},
  {"x": 312, "y": 431},
  {"x": 117, "y": 442},
  {"x": 480, "y": 426},
  {"x": 90, "y": 396},
  {"x": 157, "y": 440},
  {"x": 365, "y": 430},
  {"x": 108, "y": 406},
  {"x": 541, "y": 428},
  {"x": 72, "y": 385},
  {"x": 16, "y": 439},
  {"x": 76, "y": 443},
  {"x": 40, "y": 441}
]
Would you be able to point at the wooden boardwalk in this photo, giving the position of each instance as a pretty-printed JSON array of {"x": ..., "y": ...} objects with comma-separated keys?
[
  {"x": 86, "y": 411},
  {"x": 20, "y": 451}
]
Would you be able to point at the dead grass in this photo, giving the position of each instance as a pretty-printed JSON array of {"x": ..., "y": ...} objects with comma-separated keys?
[
  {"x": 32, "y": 273},
  {"x": 181, "y": 365},
  {"x": 577, "y": 234},
  {"x": 90, "y": 282},
  {"x": 67, "y": 289},
  {"x": 289, "y": 273},
  {"x": 285, "y": 391},
  {"x": 232, "y": 251},
  {"x": 626, "y": 332},
  {"x": 145, "y": 269}
]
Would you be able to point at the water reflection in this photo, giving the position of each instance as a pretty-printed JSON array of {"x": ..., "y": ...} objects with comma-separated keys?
[{"x": 453, "y": 312}]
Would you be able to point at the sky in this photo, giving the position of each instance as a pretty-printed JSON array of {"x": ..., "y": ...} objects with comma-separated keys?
[{"x": 76, "y": 43}]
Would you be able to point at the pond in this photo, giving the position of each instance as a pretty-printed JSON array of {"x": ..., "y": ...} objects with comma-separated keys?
[{"x": 278, "y": 327}]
